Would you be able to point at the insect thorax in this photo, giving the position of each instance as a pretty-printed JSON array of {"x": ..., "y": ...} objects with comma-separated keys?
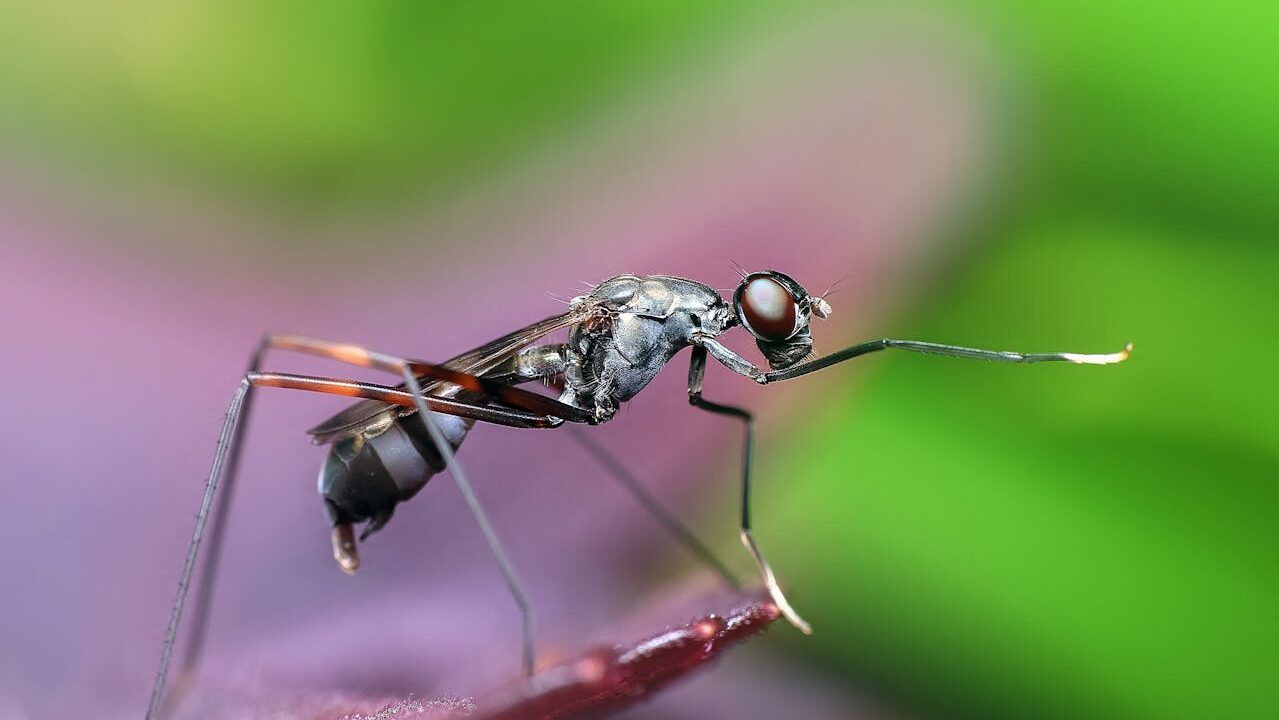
[{"x": 636, "y": 325}]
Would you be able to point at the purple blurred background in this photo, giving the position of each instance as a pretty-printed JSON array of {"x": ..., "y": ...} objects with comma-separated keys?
[{"x": 129, "y": 313}]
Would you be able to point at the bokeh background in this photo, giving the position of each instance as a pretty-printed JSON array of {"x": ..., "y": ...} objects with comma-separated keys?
[{"x": 968, "y": 539}]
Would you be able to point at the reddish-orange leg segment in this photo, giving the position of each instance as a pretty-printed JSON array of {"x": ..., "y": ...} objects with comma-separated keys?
[
  {"x": 396, "y": 396},
  {"x": 363, "y": 357},
  {"x": 226, "y": 460}
]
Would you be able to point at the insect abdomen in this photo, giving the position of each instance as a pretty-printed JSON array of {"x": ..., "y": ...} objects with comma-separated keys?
[{"x": 366, "y": 475}]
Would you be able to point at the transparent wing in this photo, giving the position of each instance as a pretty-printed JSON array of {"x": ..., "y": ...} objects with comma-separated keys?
[
  {"x": 478, "y": 361},
  {"x": 485, "y": 357}
]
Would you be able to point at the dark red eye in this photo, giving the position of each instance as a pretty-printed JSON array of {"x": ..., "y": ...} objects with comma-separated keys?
[{"x": 768, "y": 309}]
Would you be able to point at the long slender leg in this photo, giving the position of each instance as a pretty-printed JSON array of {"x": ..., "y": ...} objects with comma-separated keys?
[
  {"x": 481, "y": 518},
  {"x": 660, "y": 513},
  {"x": 404, "y": 398},
  {"x": 225, "y": 441},
  {"x": 950, "y": 350},
  {"x": 740, "y": 365},
  {"x": 410, "y": 370},
  {"x": 696, "y": 372},
  {"x": 545, "y": 412},
  {"x": 202, "y": 603},
  {"x": 363, "y": 357},
  {"x": 225, "y": 457}
]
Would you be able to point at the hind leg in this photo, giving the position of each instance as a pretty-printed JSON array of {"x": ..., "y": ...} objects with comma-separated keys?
[
  {"x": 223, "y": 470},
  {"x": 224, "y": 459}
]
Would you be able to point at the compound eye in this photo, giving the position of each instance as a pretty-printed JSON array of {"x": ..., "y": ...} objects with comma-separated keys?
[{"x": 769, "y": 310}]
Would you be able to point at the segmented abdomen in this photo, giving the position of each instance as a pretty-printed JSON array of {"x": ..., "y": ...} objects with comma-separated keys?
[{"x": 367, "y": 474}]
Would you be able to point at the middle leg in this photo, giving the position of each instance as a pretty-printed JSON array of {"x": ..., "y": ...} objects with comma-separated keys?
[
  {"x": 655, "y": 508},
  {"x": 696, "y": 372}
]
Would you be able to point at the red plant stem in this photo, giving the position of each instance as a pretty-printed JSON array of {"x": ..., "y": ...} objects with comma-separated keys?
[{"x": 608, "y": 679}]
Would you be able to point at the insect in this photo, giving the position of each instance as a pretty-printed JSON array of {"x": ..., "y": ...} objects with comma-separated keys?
[{"x": 384, "y": 449}]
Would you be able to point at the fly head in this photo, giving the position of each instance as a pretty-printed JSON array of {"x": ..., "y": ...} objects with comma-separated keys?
[{"x": 777, "y": 311}]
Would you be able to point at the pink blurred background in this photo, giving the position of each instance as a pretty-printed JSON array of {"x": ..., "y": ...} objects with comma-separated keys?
[{"x": 130, "y": 308}]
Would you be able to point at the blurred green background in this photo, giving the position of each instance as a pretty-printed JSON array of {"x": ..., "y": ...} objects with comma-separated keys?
[
  {"x": 1099, "y": 544},
  {"x": 970, "y": 540}
]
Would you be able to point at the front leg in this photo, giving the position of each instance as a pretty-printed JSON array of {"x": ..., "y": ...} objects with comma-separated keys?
[
  {"x": 696, "y": 372},
  {"x": 742, "y": 366},
  {"x": 929, "y": 348},
  {"x": 729, "y": 359}
]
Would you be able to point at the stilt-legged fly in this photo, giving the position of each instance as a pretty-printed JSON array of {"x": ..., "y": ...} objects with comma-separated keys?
[{"x": 384, "y": 449}]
